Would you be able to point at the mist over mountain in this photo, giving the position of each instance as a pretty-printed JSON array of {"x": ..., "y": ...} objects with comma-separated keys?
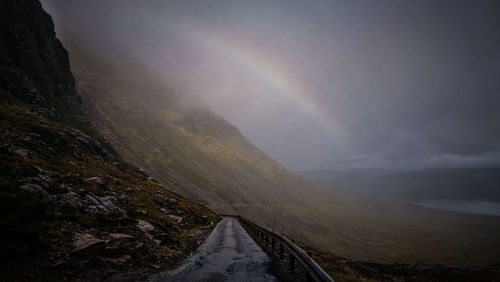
[
  {"x": 193, "y": 151},
  {"x": 322, "y": 84},
  {"x": 129, "y": 128}
]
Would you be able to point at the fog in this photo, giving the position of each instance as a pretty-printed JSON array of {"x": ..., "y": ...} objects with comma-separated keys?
[{"x": 322, "y": 84}]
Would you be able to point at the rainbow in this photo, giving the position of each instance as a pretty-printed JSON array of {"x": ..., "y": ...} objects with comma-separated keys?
[{"x": 275, "y": 77}]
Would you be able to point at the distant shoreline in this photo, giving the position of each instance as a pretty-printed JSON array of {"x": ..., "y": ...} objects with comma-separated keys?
[{"x": 465, "y": 206}]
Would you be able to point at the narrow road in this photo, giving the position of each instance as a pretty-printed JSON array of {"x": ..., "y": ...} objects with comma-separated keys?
[{"x": 228, "y": 254}]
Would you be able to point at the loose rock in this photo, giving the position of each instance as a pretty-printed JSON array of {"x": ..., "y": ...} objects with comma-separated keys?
[
  {"x": 87, "y": 245},
  {"x": 96, "y": 180},
  {"x": 146, "y": 228}
]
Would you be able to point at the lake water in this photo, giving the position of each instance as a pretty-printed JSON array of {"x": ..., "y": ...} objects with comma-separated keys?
[{"x": 477, "y": 207}]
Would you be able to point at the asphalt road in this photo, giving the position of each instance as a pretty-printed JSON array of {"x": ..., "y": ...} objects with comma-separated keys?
[{"x": 228, "y": 254}]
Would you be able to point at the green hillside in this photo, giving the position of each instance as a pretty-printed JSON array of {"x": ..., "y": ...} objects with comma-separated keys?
[{"x": 194, "y": 152}]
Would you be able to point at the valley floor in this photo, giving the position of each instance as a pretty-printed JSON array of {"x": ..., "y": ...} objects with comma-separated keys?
[{"x": 342, "y": 269}]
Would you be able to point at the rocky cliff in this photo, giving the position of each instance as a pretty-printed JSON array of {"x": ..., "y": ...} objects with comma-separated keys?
[
  {"x": 34, "y": 66},
  {"x": 70, "y": 208}
]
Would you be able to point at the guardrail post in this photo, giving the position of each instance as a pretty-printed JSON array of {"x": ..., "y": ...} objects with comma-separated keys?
[
  {"x": 308, "y": 277},
  {"x": 267, "y": 239},
  {"x": 272, "y": 244},
  {"x": 281, "y": 251},
  {"x": 292, "y": 262}
]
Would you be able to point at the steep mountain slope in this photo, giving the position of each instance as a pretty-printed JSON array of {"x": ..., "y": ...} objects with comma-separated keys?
[
  {"x": 197, "y": 153},
  {"x": 70, "y": 208},
  {"x": 180, "y": 143}
]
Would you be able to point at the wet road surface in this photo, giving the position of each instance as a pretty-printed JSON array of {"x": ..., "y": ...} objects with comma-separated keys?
[{"x": 228, "y": 254}]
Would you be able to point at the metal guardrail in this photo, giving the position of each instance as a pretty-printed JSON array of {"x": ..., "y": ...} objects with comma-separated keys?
[{"x": 313, "y": 271}]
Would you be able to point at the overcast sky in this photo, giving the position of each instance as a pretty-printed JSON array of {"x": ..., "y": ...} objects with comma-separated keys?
[{"x": 324, "y": 84}]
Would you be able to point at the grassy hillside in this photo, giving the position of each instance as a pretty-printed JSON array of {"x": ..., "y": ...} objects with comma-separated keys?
[{"x": 198, "y": 154}]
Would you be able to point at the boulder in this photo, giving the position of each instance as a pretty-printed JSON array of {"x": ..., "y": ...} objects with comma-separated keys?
[
  {"x": 32, "y": 188},
  {"x": 22, "y": 153},
  {"x": 104, "y": 204},
  {"x": 119, "y": 260},
  {"x": 138, "y": 246},
  {"x": 87, "y": 245},
  {"x": 122, "y": 199},
  {"x": 165, "y": 211},
  {"x": 152, "y": 179},
  {"x": 96, "y": 180},
  {"x": 164, "y": 237},
  {"x": 118, "y": 243},
  {"x": 34, "y": 179},
  {"x": 119, "y": 236},
  {"x": 178, "y": 219},
  {"x": 36, "y": 191},
  {"x": 70, "y": 199},
  {"x": 143, "y": 172},
  {"x": 146, "y": 228}
]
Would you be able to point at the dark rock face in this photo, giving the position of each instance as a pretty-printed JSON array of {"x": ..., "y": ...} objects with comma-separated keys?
[
  {"x": 66, "y": 211},
  {"x": 34, "y": 66}
]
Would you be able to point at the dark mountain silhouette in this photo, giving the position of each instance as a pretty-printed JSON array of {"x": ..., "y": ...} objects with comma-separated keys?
[{"x": 70, "y": 207}]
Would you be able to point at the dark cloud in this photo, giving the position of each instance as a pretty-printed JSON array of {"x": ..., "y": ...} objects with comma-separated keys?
[{"x": 409, "y": 83}]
